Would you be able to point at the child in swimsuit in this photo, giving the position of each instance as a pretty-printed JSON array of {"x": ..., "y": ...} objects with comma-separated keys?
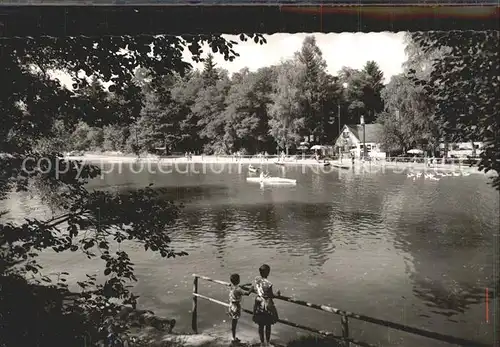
[{"x": 235, "y": 295}]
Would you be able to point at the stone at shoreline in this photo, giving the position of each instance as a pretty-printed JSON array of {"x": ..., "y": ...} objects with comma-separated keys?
[{"x": 145, "y": 318}]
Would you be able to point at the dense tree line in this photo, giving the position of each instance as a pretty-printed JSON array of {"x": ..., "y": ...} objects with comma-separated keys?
[{"x": 211, "y": 112}]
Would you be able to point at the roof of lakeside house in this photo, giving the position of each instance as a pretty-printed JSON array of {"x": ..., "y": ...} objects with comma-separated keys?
[{"x": 372, "y": 132}]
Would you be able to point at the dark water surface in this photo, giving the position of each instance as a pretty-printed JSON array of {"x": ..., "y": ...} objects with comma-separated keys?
[{"x": 418, "y": 253}]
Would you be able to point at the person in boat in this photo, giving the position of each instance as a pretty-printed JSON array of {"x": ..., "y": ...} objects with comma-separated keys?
[
  {"x": 253, "y": 168},
  {"x": 264, "y": 175}
]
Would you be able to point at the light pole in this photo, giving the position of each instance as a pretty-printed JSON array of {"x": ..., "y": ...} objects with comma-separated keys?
[
  {"x": 362, "y": 121},
  {"x": 345, "y": 85},
  {"x": 136, "y": 141},
  {"x": 340, "y": 150}
]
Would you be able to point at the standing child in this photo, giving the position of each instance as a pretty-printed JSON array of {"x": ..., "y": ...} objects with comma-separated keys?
[
  {"x": 264, "y": 311},
  {"x": 235, "y": 295}
]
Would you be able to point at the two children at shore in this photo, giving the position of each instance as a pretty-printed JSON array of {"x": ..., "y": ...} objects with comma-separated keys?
[{"x": 264, "y": 310}]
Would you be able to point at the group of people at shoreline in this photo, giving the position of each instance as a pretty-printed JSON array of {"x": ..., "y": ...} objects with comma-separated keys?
[{"x": 265, "y": 313}]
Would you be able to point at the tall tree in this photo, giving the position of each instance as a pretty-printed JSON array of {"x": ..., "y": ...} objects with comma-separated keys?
[
  {"x": 160, "y": 122},
  {"x": 313, "y": 88},
  {"x": 407, "y": 120},
  {"x": 208, "y": 107},
  {"x": 354, "y": 96},
  {"x": 210, "y": 74},
  {"x": 286, "y": 121},
  {"x": 246, "y": 115},
  {"x": 372, "y": 97},
  {"x": 184, "y": 94}
]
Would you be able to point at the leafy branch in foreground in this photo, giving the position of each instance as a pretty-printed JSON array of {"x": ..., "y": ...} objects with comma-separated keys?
[
  {"x": 464, "y": 86},
  {"x": 34, "y": 108}
]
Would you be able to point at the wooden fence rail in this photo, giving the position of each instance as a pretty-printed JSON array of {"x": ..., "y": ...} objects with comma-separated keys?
[{"x": 345, "y": 315}]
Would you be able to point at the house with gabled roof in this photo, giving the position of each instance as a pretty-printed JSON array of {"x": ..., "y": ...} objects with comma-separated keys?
[{"x": 351, "y": 140}]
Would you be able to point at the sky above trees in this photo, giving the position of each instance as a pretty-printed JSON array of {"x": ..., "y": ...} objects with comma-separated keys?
[{"x": 339, "y": 50}]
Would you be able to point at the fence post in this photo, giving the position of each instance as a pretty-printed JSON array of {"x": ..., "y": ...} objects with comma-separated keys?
[
  {"x": 194, "y": 318},
  {"x": 345, "y": 330}
]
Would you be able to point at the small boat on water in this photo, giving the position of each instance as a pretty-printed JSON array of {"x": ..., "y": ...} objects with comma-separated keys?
[
  {"x": 279, "y": 163},
  {"x": 271, "y": 180},
  {"x": 339, "y": 166}
]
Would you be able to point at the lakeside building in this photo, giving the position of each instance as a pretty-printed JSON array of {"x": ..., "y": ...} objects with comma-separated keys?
[
  {"x": 350, "y": 140},
  {"x": 462, "y": 149}
]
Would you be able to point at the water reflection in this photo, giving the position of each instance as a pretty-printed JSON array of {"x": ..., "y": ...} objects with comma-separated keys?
[
  {"x": 376, "y": 244},
  {"x": 448, "y": 271}
]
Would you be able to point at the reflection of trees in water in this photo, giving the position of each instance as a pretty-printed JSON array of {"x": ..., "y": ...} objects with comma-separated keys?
[
  {"x": 448, "y": 299},
  {"x": 354, "y": 227},
  {"x": 449, "y": 251},
  {"x": 310, "y": 230},
  {"x": 294, "y": 229},
  {"x": 266, "y": 222},
  {"x": 364, "y": 195},
  {"x": 219, "y": 223}
]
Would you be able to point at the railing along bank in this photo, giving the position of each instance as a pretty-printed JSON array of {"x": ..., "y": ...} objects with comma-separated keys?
[
  {"x": 346, "y": 157},
  {"x": 344, "y": 320}
]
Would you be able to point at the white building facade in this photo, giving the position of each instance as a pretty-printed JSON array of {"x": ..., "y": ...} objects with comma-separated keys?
[
  {"x": 463, "y": 149},
  {"x": 351, "y": 140}
]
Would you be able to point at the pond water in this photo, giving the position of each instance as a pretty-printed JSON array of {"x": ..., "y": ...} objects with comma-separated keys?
[{"x": 415, "y": 252}]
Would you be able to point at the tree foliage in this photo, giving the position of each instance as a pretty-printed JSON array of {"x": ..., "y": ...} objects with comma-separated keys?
[
  {"x": 246, "y": 115},
  {"x": 315, "y": 89},
  {"x": 407, "y": 118},
  {"x": 35, "y": 108},
  {"x": 419, "y": 62},
  {"x": 464, "y": 86},
  {"x": 375, "y": 84},
  {"x": 211, "y": 112},
  {"x": 362, "y": 95},
  {"x": 286, "y": 120}
]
